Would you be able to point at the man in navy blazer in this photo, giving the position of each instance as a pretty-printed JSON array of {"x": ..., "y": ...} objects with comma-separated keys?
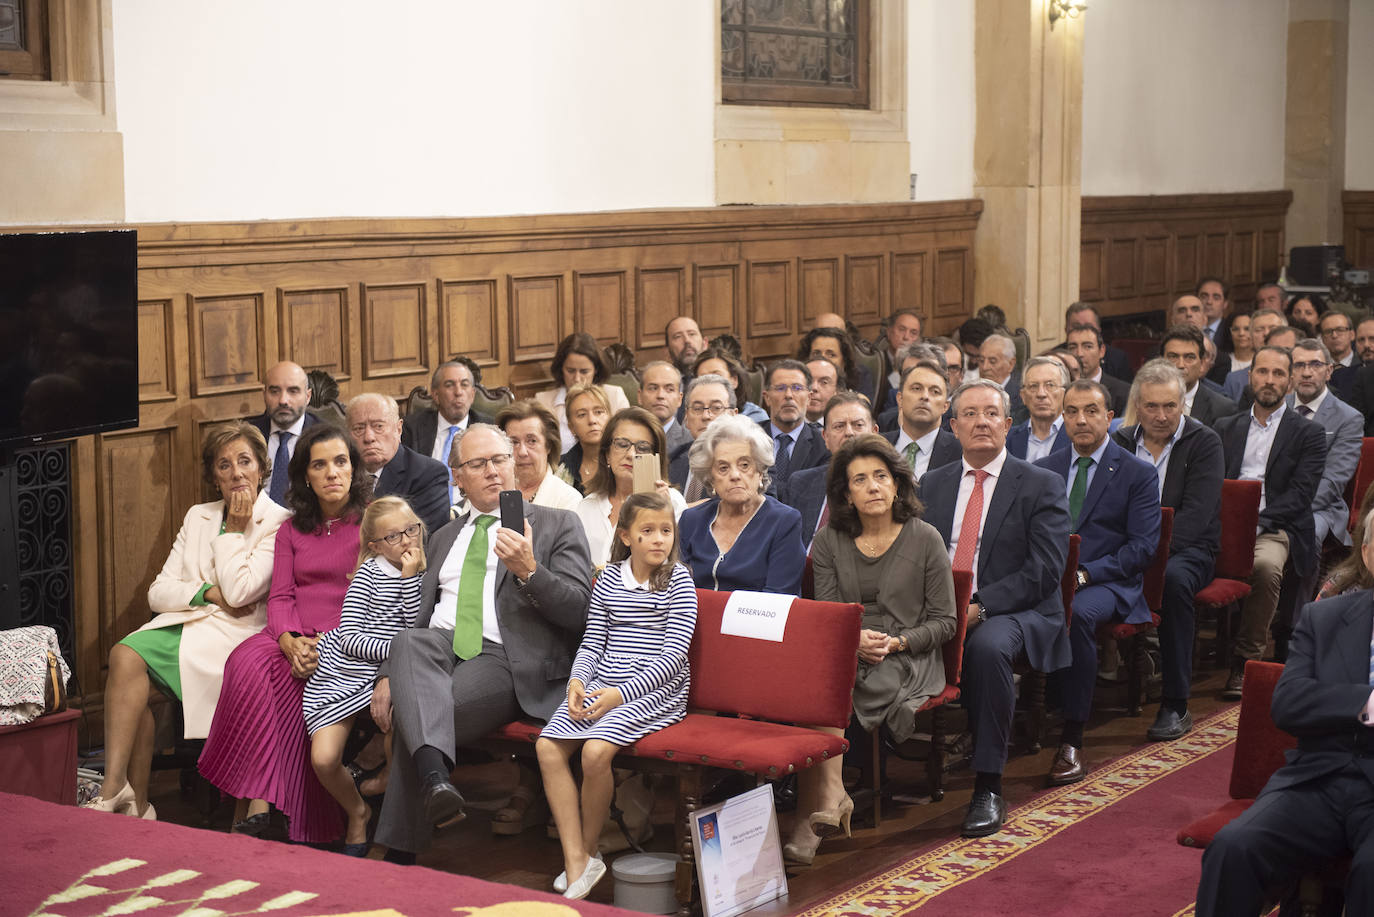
[
  {"x": 1273, "y": 445},
  {"x": 1016, "y": 547},
  {"x": 1186, "y": 456},
  {"x": 1114, "y": 506},
  {"x": 922, "y": 400},
  {"x": 846, "y": 416},
  {"x": 1317, "y": 806},
  {"x": 1042, "y": 392},
  {"x": 375, "y": 425},
  {"x": 431, "y": 431},
  {"x": 285, "y": 416},
  {"x": 796, "y": 444}
]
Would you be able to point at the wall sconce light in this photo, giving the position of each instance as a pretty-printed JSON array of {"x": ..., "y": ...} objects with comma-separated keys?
[{"x": 1065, "y": 9}]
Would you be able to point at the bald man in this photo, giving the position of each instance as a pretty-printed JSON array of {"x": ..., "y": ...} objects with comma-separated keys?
[
  {"x": 285, "y": 397},
  {"x": 830, "y": 320}
]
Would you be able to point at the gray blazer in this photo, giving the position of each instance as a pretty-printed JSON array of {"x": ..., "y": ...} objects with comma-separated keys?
[
  {"x": 541, "y": 621},
  {"x": 1344, "y": 428}
]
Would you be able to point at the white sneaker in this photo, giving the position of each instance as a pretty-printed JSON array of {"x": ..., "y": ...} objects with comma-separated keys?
[
  {"x": 594, "y": 873},
  {"x": 560, "y": 882}
]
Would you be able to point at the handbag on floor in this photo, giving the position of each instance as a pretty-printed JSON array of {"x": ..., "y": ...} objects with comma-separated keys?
[{"x": 33, "y": 675}]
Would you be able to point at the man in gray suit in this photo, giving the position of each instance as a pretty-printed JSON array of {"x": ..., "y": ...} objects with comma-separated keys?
[
  {"x": 501, "y": 617},
  {"x": 660, "y": 393}
]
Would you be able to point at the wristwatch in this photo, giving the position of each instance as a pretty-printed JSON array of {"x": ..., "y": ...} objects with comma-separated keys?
[
  {"x": 982, "y": 613},
  {"x": 902, "y": 643},
  {"x": 1082, "y": 577}
]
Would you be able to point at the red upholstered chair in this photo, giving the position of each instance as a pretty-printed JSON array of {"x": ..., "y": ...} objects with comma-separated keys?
[
  {"x": 1129, "y": 637},
  {"x": 1360, "y": 481},
  {"x": 1033, "y": 682},
  {"x": 1235, "y": 561}
]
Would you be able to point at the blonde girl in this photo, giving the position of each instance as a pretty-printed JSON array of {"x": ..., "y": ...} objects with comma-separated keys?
[{"x": 383, "y": 599}]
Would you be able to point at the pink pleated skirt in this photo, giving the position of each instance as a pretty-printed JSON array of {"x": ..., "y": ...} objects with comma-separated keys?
[{"x": 258, "y": 747}]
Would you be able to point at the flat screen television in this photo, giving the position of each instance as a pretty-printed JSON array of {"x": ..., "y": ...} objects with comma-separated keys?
[{"x": 68, "y": 334}]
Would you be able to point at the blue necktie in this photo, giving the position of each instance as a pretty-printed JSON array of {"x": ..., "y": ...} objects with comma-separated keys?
[
  {"x": 782, "y": 456},
  {"x": 448, "y": 450},
  {"x": 277, "y": 488}
]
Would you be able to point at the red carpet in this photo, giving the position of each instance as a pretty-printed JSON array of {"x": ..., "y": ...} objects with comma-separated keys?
[
  {"x": 59, "y": 860},
  {"x": 1103, "y": 846}
]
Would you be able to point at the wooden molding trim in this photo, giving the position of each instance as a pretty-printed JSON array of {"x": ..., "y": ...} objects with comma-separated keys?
[{"x": 1359, "y": 227}]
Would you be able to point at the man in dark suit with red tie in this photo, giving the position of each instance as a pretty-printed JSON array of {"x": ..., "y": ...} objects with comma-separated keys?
[{"x": 1008, "y": 522}]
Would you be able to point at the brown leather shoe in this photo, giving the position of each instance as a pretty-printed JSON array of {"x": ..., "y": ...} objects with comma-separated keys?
[
  {"x": 1234, "y": 683},
  {"x": 1067, "y": 767}
]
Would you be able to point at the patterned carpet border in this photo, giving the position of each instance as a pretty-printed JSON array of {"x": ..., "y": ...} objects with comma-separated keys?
[{"x": 915, "y": 882}]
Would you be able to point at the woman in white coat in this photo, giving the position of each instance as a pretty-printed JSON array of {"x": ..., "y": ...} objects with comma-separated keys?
[{"x": 209, "y": 598}]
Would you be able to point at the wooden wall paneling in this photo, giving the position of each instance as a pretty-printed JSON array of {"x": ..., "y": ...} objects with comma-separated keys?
[
  {"x": 1271, "y": 254},
  {"x": 953, "y": 283},
  {"x": 1154, "y": 265},
  {"x": 1214, "y": 254},
  {"x": 661, "y": 296},
  {"x": 314, "y": 330},
  {"x": 536, "y": 317},
  {"x": 910, "y": 282},
  {"x": 157, "y": 355},
  {"x": 1092, "y": 270},
  {"x": 1242, "y": 262},
  {"x": 469, "y": 321},
  {"x": 395, "y": 332},
  {"x": 820, "y": 288},
  {"x": 1122, "y": 275},
  {"x": 601, "y": 307},
  {"x": 716, "y": 289},
  {"x": 866, "y": 290},
  {"x": 1358, "y": 211},
  {"x": 769, "y": 315},
  {"x": 228, "y": 350},
  {"x": 1187, "y": 266}
]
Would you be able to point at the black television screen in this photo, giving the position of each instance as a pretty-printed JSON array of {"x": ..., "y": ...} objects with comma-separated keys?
[{"x": 68, "y": 334}]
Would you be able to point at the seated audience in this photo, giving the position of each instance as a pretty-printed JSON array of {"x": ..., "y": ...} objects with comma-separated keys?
[
  {"x": 382, "y": 599},
  {"x": 1262, "y": 322},
  {"x": 954, "y": 360},
  {"x": 633, "y": 431},
  {"x": 877, "y": 551},
  {"x": 1187, "y": 459},
  {"x": 682, "y": 337},
  {"x": 921, "y": 403},
  {"x": 1216, "y": 302},
  {"x": 1184, "y": 347},
  {"x": 285, "y": 397},
  {"x": 660, "y": 393},
  {"x": 1351, "y": 574},
  {"x": 708, "y": 396},
  {"x": 716, "y": 362},
  {"x": 1237, "y": 329},
  {"x": 630, "y": 678},
  {"x": 1187, "y": 310},
  {"x": 431, "y": 431},
  {"x": 825, "y": 377},
  {"x": 375, "y": 426},
  {"x": 1075, "y": 368},
  {"x": 578, "y": 361},
  {"x": 997, "y": 363},
  {"x": 1316, "y": 807},
  {"x": 208, "y": 599},
  {"x": 1303, "y": 310},
  {"x": 786, "y": 388},
  {"x": 1043, "y": 386},
  {"x": 533, "y": 433},
  {"x": 588, "y": 410},
  {"x": 1086, "y": 343},
  {"x": 1273, "y": 445},
  {"x": 1338, "y": 334},
  {"x": 1364, "y": 340},
  {"x": 834, "y": 345},
  {"x": 1017, "y": 557},
  {"x": 1114, "y": 509},
  {"x": 901, "y": 328},
  {"x": 257, "y": 750},
  {"x": 479, "y": 655},
  {"x": 1115, "y": 362},
  {"x": 734, "y": 455},
  {"x": 846, "y": 416},
  {"x": 971, "y": 335},
  {"x": 890, "y": 418}
]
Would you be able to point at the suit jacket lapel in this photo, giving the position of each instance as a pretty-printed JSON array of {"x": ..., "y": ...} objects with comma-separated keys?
[
  {"x": 1280, "y": 445},
  {"x": 1003, "y": 496},
  {"x": 940, "y": 504},
  {"x": 1354, "y": 643},
  {"x": 1235, "y": 444},
  {"x": 1102, "y": 477}
]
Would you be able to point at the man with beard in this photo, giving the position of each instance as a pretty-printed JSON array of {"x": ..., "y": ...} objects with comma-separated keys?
[
  {"x": 683, "y": 339},
  {"x": 285, "y": 394},
  {"x": 1285, "y": 453}
]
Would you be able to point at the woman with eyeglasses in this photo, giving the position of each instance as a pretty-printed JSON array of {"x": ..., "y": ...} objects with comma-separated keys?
[
  {"x": 631, "y": 432},
  {"x": 740, "y": 538}
]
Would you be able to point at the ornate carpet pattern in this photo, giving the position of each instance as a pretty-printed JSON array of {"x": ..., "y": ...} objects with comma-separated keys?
[{"x": 922, "y": 879}]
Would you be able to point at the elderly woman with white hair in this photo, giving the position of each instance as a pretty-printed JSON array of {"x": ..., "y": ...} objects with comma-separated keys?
[{"x": 740, "y": 538}]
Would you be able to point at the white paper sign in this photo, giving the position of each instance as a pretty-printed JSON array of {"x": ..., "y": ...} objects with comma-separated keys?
[
  {"x": 739, "y": 857},
  {"x": 758, "y": 615}
]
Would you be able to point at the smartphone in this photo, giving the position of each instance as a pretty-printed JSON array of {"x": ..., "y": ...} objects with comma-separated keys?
[
  {"x": 647, "y": 471},
  {"x": 513, "y": 511}
]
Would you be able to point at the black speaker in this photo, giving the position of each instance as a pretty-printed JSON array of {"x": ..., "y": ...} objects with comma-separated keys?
[{"x": 1315, "y": 265}]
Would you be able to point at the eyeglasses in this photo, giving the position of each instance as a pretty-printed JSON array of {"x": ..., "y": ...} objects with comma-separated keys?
[
  {"x": 378, "y": 427},
  {"x": 1310, "y": 365},
  {"x": 1050, "y": 387},
  {"x": 715, "y": 408},
  {"x": 643, "y": 447},
  {"x": 788, "y": 389},
  {"x": 479, "y": 465},
  {"x": 394, "y": 538},
  {"x": 1333, "y": 331}
]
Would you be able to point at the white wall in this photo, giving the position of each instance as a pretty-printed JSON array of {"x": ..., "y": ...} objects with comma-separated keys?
[
  {"x": 1184, "y": 96},
  {"x": 940, "y": 98},
  {"x": 1359, "y": 100},
  {"x": 319, "y": 108}
]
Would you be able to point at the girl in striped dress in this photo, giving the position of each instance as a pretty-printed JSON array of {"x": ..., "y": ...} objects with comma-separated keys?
[
  {"x": 382, "y": 600},
  {"x": 629, "y": 679}
]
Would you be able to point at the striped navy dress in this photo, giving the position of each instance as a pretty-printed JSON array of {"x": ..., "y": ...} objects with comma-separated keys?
[
  {"x": 636, "y": 640},
  {"x": 379, "y": 604}
]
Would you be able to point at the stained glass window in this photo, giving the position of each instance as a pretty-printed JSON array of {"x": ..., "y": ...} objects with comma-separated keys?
[
  {"x": 23, "y": 40},
  {"x": 794, "y": 52}
]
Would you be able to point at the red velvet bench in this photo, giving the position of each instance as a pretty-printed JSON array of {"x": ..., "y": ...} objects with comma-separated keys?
[{"x": 773, "y": 690}]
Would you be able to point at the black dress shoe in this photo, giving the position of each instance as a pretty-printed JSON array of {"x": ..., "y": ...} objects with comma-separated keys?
[
  {"x": 254, "y": 825},
  {"x": 1235, "y": 684},
  {"x": 1169, "y": 725},
  {"x": 1067, "y": 767},
  {"x": 986, "y": 812},
  {"x": 443, "y": 803}
]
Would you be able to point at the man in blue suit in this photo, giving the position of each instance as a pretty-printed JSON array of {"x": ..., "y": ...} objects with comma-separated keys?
[
  {"x": 1008, "y": 522},
  {"x": 846, "y": 416},
  {"x": 796, "y": 444},
  {"x": 1042, "y": 392},
  {"x": 1114, "y": 505}
]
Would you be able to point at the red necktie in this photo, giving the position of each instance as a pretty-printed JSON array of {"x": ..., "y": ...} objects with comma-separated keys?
[
  {"x": 825, "y": 517},
  {"x": 972, "y": 524}
]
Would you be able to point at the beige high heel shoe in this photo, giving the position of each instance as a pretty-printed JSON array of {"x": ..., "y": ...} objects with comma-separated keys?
[
  {"x": 801, "y": 852},
  {"x": 122, "y": 802},
  {"x": 829, "y": 821}
]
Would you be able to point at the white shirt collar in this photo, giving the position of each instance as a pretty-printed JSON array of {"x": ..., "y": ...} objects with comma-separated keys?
[
  {"x": 993, "y": 468},
  {"x": 295, "y": 429},
  {"x": 387, "y": 566},
  {"x": 1316, "y": 403},
  {"x": 1273, "y": 418},
  {"x": 627, "y": 578}
]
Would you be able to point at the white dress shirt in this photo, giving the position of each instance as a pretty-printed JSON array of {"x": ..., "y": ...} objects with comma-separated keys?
[
  {"x": 1315, "y": 404},
  {"x": 441, "y": 437},
  {"x": 274, "y": 440},
  {"x": 445, "y": 608},
  {"x": 1188, "y": 397},
  {"x": 994, "y": 470},
  {"x": 1161, "y": 465},
  {"x": 1036, "y": 449},
  {"x": 924, "y": 445},
  {"x": 1258, "y": 441}
]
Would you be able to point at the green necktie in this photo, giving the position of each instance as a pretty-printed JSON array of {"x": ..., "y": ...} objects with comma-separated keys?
[
  {"x": 1079, "y": 489},
  {"x": 911, "y": 451},
  {"x": 467, "y": 613}
]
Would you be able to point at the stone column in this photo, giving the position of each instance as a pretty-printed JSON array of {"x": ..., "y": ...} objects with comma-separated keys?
[
  {"x": 1027, "y": 153},
  {"x": 1314, "y": 121}
]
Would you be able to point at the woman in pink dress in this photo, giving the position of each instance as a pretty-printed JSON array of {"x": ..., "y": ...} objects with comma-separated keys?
[{"x": 257, "y": 750}]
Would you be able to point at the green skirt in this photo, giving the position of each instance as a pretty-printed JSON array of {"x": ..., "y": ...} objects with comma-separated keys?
[{"x": 160, "y": 649}]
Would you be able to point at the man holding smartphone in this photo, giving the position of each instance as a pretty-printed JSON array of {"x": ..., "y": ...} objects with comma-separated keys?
[{"x": 501, "y": 616}]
